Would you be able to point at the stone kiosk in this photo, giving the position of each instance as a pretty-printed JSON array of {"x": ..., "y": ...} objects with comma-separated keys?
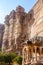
[{"x": 32, "y": 53}]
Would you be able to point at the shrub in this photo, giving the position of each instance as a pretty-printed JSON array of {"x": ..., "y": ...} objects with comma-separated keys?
[
  {"x": 9, "y": 57},
  {"x": 18, "y": 59},
  {"x": 1, "y": 57}
]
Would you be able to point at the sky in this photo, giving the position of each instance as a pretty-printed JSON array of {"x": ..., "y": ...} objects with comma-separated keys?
[{"x": 6, "y": 6}]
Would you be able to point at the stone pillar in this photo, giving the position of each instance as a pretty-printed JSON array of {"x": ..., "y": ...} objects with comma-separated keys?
[
  {"x": 10, "y": 31},
  {"x": 32, "y": 55},
  {"x": 25, "y": 56},
  {"x": 6, "y": 33},
  {"x": 40, "y": 52},
  {"x": 35, "y": 53},
  {"x": 11, "y": 28},
  {"x": 17, "y": 28}
]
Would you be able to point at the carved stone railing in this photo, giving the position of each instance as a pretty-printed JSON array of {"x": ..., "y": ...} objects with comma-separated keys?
[{"x": 39, "y": 59}]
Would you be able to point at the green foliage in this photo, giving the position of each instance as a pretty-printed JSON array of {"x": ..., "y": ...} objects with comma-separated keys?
[
  {"x": 9, "y": 57},
  {"x": 0, "y": 49},
  {"x": 1, "y": 57},
  {"x": 18, "y": 59},
  {"x": 13, "y": 55}
]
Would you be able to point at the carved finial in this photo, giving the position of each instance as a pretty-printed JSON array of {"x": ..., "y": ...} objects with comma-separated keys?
[
  {"x": 12, "y": 14},
  {"x": 6, "y": 19},
  {"x": 20, "y": 9}
]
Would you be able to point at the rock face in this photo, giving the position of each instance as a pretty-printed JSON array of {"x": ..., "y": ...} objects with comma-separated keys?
[
  {"x": 21, "y": 26},
  {"x": 1, "y": 34}
]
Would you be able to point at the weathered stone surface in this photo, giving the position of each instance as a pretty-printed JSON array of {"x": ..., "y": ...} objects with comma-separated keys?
[
  {"x": 22, "y": 25},
  {"x": 12, "y": 14},
  {"x": 1, "y": 33}
]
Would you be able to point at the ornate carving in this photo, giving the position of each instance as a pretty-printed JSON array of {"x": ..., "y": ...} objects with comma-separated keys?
[{"x": 20, "y": 11}]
